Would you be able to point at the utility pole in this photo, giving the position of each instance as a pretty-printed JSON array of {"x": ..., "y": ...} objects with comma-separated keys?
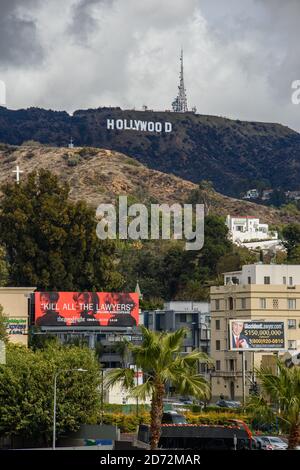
[{"x": 102, "y": 395}]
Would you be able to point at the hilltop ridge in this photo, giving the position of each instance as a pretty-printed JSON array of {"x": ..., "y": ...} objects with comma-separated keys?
[
  {"x": 235, "y": 155},
  {"x": 99, "y": 175}
]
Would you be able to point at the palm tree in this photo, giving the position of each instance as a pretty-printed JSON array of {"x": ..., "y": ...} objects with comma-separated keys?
[
  {"x": 162, "y": 361},
  {"x": 280, "y": 399}
]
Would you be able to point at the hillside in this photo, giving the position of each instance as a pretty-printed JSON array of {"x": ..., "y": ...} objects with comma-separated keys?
[
  {"x": 235, "y": 155},
  {"x": 97, "y": 175}
]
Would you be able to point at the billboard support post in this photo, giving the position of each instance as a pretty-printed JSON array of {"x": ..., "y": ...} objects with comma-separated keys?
[
  {"x": 244, "y": 377},
  {"x": 102, "y": 394}
]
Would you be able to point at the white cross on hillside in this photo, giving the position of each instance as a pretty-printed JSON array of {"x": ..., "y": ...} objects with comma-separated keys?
[{"x": 18, "y": 172}]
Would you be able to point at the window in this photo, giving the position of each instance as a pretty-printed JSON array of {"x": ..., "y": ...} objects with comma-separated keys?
[
  {"x": 227, "y": 280},
  {"x": 230, "y": 303},
  {"x": 284, "y": 280},
  {"x": 249, "y": 279},
  {"x": 291, "y": 324},
  {"x": 217, "y": 324},
  {"x": 218, "y": 345},
  {"x": 217, "y": 304},
  {"x": 275, "y": 304},
  {"x": 290, "y": 281},
  {"x": 263, "y": 303},
  {"x": 160, "y": 323},
  {"x": 292, "y": 344},
  {"x": 218, "y": 365},
  {"x": 243, "y": 303},
  {"x": 231, "y": 365},
  {"x": 189, "y": 334},
  {"x": 292, "y": 304},
  {"x": 267, "y": 280},
  {"x": 182, "y": 318}
]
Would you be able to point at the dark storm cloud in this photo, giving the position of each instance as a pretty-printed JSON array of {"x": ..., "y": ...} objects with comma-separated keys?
[
  {"x": 240, "y": 57},
  {"x": 281, "y": 35},
  {"x": 83, "y": 22},
  {"x": 18, "y": 34}
]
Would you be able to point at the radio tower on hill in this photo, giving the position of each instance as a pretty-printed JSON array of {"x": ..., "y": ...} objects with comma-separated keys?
[{"x": 179, "y": 105}]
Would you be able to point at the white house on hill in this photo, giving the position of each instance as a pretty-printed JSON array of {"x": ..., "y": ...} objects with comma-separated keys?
[{"x": 248, "y": 231}]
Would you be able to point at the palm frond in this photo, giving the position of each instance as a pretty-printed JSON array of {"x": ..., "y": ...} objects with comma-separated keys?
[
  {"x": 194, "y": 385},
  {"x": 173, "y": 342},
  {"x": 123, "y": 376},
  {"x": 143, "y": 391}
]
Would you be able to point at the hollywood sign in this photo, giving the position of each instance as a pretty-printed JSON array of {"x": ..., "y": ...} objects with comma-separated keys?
[{"x": 137, "y": 125}]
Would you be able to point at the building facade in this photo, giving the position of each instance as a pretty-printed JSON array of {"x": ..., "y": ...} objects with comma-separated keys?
[
  {"x": 248, "y": 231},
  {"x": 257, "y": 292},
  {"x": 16, "y": 305},
  {"x": 195, "y": 316}
]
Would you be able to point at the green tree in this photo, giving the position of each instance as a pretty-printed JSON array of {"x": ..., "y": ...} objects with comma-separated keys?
[
  {"x": 3, "y": 330},
  {"x": 4, "y": 275},
  {"x": 162, "y": 361},
  {"x": 26, "y": 391},
  {"x": 233, "y": 261},
  {"x": 291, "y": 235},
  {"x": 278, "y": 198},
  {"x": 280, "y": 398},
  {"x": 216, "y": 245},
  {"x": 203, "y": 195},
  {"x": 51, "y": 242},
  {"x": 167, "y": 271}
]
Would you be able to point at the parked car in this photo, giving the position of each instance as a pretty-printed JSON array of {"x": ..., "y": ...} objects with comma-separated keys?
[
  {"x": 228, "y": 404},
  {"x": 274, "y": 442},
  {"x": 259, "y": 444},
  {"x": 171, "y": 417},
  {"x": 256, "y": 443}
]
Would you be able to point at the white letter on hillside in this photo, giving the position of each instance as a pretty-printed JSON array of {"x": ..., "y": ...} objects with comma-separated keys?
[
  {"x": 296, "y": 94},
  {"x": 106, "y": 227}
]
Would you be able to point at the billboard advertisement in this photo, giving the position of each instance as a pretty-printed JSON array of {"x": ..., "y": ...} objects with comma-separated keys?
[
  {"x": 65, "y": 309},
  {"x": 256, "y": 335}
]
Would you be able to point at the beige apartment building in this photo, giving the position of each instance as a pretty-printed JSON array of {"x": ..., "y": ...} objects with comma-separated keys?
[
  {"x": 15, "y": 303},
  {"x": 257, "y": 292}
]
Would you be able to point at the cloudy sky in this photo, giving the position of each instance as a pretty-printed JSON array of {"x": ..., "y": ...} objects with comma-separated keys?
[{"x": 240, "y": 56}]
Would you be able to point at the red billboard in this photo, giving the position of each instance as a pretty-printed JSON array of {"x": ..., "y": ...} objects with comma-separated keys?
[{"x": 86, "y": 309}]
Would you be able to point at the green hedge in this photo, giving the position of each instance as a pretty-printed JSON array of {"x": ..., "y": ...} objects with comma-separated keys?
[
  {"x": 129, "y": 422},
  {"x": 126, "y": 409},
  {"x": 126, "y": 423},
  {"x": 215, "y": 417}
]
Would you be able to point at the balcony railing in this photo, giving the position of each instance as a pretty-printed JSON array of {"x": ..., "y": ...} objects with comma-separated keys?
[{"x": 226, "y": 373}]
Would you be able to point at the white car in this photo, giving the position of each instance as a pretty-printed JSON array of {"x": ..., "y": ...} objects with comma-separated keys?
[{"x": 274, "y": 443}]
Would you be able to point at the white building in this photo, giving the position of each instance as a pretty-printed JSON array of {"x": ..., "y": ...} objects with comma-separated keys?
[
  {"x": 249, "y": 232},
  {"x": 118, "y": 395},
  {"x": 188, "y": 306},
  {"x": 251, "y": 194},
  {"x": 264, "y": 274}
]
